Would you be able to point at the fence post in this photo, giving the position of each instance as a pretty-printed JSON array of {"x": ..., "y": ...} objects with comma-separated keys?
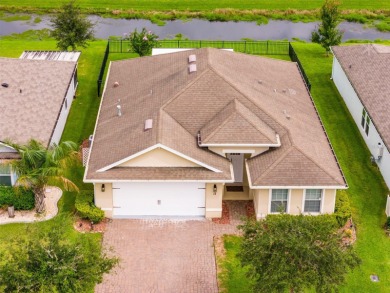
[
  {"x": 245, "y": 47},
  {"x": 200, "y": 44},
  {"x": 267, "y": 48},
  {"x": 121, "y": 46}
]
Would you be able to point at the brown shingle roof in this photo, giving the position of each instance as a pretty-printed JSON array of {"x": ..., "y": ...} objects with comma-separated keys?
[
  {"x": 236, "y": 124},
  {"x": 33, "y": 112},
  {"x": 266, "y": 92},
  {"x": 368, "y": 69}
]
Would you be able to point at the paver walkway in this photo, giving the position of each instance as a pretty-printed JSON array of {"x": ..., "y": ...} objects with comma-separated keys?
[{"x": 164, "y": 255}]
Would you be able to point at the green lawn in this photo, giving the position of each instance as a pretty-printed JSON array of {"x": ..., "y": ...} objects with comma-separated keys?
[
  {"x": 367, "y": 190},
  {"x": 198, "y": 5},
  {"x": 232, "y": 275}
]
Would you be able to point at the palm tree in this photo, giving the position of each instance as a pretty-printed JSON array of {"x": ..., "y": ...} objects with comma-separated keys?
[{"x": 39, "y": 167}]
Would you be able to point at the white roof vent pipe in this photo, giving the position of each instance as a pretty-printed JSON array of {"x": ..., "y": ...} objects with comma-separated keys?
[
  {"x": 192, "y": 68},
  {"x": 119, "y": 108},
  {"x": 148, "y": 124},
  {"x": 191, "y": 58}
]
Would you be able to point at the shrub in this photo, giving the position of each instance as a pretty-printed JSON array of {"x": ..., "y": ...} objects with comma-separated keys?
[
  {"x": 86, "y": 208},
  {"x": 343, "y": 208},
  {"x": 143, "y": 42},
  {"x": 21, "y": 199}
]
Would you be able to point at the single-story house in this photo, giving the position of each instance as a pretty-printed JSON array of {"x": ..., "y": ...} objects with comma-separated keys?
[
  {"x": 178, "y": 133},
  {"x": 36, "y": 94},
  {"x": 361, "y": 74}
]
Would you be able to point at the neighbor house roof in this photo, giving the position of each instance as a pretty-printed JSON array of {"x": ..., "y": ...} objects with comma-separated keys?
[
  {"x": 32, "y": 97},
  {"x": 51, "y": 55},
  {"x": 261, "y": 100},
  {"x": 368, "y": 70}
]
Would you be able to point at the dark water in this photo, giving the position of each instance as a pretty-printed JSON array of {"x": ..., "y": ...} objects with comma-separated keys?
[{"x": 202, "y": 29}]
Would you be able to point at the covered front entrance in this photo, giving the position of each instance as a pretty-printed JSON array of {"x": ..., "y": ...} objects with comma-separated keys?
[
  {"x": 138, "y": 199},
  {"x": 239, "y": 190}
]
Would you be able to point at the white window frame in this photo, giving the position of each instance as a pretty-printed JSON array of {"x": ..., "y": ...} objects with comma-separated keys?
[
  {"x": 270, "y": 200},
  {"x": 10, "y": 174},
  {"x": 365, "y": 122},
  {"x": 321, "y": 204}
]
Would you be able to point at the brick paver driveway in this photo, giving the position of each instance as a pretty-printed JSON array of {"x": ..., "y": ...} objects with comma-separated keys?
[{"x": 163, "y": 256}]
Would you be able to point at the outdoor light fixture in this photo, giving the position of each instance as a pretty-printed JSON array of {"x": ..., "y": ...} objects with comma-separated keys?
[
  {"x": 215, "y": 189},
  {"x": 103, "y": 187}
]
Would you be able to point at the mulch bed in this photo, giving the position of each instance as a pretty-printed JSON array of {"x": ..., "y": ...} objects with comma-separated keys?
[
  {"x": 84, "y": 226},
  {"x": 225, "y": 219},
  {"x": 250, "y": 210},
  {"x": 349, "y": 233}
]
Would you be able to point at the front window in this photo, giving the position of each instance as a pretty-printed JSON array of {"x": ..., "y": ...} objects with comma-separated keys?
[
  {"x": 279, "y": 200},
  {"x": 365, "y": 122},
  {"x": 5, "y": 175},
  {"x": 313, "y": 199}
]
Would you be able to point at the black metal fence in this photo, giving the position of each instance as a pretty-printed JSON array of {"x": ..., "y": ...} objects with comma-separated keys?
[
  {"x": 294, "y": 58},
  {"x": 102, "y": 69},
  {"x": 250, "y": 47}
]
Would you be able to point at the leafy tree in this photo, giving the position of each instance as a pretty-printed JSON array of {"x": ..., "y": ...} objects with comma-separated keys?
[
  {"x": 327, "y": 34},
  {"x": 51, "y": 261},
  {"x": 286, "y": 252},
  {"x": 71, "y": 28},
  {"x": 39, "y": 167},
  {"x": 143, "y": 42}
]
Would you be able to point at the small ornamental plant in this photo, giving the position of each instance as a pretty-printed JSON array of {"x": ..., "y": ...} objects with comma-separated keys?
[{"x": 142, "y": 42}]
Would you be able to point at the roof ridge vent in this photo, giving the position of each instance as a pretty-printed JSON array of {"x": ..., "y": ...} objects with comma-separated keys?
[
  {"x": 192, "y": 67},
  {"x": 148, "y": 124},
  {"x": 192, "y": 58}
]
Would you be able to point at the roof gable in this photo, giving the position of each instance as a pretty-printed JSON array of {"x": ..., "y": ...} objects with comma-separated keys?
[
  {"x": 294, "y": 168},
  {"x": 236, "y": 124}
]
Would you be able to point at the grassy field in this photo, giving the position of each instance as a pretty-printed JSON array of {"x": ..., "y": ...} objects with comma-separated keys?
[
  {"x": 159, "y": 11},
  {"x": 367, "y": 190},
  {"x": 198, "y": 5}
]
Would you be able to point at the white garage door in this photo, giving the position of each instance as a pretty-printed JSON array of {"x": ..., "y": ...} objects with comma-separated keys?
[{"x": 158, "y": 199}]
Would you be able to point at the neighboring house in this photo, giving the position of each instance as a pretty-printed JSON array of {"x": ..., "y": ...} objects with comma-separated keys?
[
  {"x": 361, "y": 73},
  {"x": 36, "y": 94},
  {"x": 178, "y": 133}
]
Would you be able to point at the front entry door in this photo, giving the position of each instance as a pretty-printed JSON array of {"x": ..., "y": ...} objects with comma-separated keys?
[{"x": 238, "y": 166}]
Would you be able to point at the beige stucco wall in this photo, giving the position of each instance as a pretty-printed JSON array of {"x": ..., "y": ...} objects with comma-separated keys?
[
  {"x": 222, "y": 151},
  {"x": 329, "y": 201},
  {"x": 103, "y": 200},
  {"x": 261, "y": 202},
  {"x": 158, "y": 158},
  {"x": 296, "y": 200},
  {"x": 214, "y": 201}
]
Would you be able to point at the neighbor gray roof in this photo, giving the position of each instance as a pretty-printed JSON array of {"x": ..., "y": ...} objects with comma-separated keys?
[
  {"x": 368, "y": 70},
  {"x": 31, "y": 103},
  {"x": 264, "y": 96}
]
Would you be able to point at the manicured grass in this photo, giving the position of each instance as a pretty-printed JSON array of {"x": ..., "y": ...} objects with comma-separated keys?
[
  {"x": 198, "y": 5},
  {"x": 367, "y": 190},
  {"x": 233, "y": 274}
]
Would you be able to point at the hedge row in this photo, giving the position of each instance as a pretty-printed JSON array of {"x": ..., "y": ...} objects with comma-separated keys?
[
  {"x": 342, "y": 208},
  {"x": 86, "y": 208},
  {"x": 22, "y": 199}
]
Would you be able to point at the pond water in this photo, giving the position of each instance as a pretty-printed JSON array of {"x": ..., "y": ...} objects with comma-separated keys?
[{"x": 201, "y": 29}]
